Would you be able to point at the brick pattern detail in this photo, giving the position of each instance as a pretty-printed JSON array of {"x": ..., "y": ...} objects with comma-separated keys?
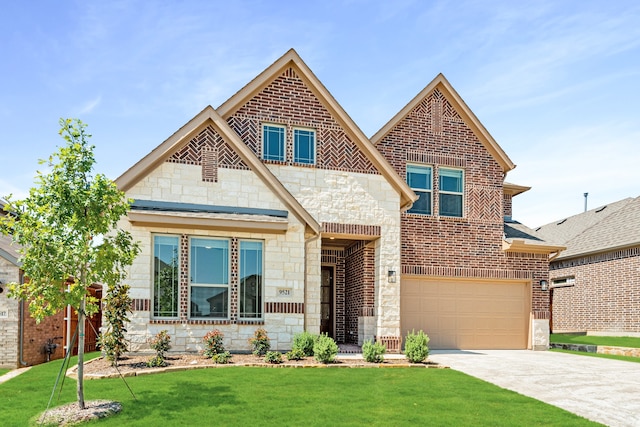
[
  {"x": 359, "y": 287},
  {"x": 183, "y": 298},
  {"x": 209, "y": 164},
  {"x": 288, "y": 101},
  {"x": 140, "y": 304},
  {"x": 356, "y": 229},
  {"x": 393, "y": 344},
  {"x": 507, "y": 203},
  {"x": 460, "y": 247},
  {"x": 605, "y": 296},
  {"x": 285, "y": 307}
]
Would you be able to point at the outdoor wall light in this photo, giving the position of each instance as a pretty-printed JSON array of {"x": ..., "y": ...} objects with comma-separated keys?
[
  {"x": 392, "y": 276},
  {"x": 544, "y": 285}
]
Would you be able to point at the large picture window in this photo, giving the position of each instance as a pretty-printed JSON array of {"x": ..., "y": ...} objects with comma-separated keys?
[
  {"x": 209, "y": 278},
  {"x": 451, "y": 192},
  {"x": 250, "y": 279},
  {"x": 165, "y": 276},
  {"x": 304, "y": 146},
  {"x": 419, "y": 179},
  {"x": 273, "y": 138}
]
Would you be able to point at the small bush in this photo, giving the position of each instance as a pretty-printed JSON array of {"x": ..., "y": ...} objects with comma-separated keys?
[
  {"x": 373, "y": 352},
  {"x": 117, "y": 306},
  {"x": 304, "y": 341},
  {"x": 221, "y": 358},
  {"x": 295, "y": 354},
  {"x": 325, "y": 349},
  {"x": 213, "y": 343},
  {"x": 273, "y": 357},
  {"x": 415, "y": 346},
  {"x": 260, "y": 342},
  {"x": 161, "y": 343}
]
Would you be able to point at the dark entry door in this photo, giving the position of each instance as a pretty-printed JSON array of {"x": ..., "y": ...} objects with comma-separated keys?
[{"x": 326, "y": 301}]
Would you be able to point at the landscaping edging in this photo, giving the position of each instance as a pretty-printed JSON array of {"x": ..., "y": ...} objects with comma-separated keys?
[{"x": 602, "y": 349}]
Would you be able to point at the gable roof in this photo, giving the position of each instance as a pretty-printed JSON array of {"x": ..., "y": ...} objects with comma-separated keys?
[
  {"x": 209, "y": 117},
  {"x": 443, "y": 85},
  {"x": 609, "y": 227},
  {"x": 293, "y": 60},
  {"x": 520, "y": 238},
  {"x": 9, "y": 251}
]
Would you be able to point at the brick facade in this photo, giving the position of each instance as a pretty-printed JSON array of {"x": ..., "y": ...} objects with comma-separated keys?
[
  {"x": 605, "y": 296},
  {"x": 467, "y": 247}
]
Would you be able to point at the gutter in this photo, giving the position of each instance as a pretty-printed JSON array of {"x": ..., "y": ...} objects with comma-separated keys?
[{"x": 21, "y": 323}]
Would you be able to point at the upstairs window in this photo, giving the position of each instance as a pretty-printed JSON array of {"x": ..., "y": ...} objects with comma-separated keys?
[
  {"x": 451, "y": 192},
  {"x": 419, "y": 179},
  {"x": 273, "y": 138},
  {"x": 304, "y": 146}
]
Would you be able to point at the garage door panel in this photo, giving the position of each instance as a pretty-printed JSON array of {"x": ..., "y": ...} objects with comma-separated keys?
[{"x": 466, "y": 315}]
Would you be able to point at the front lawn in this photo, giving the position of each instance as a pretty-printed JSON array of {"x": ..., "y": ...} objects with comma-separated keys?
[
  {"x": 291, "y": 397},
  {"x": 595, "y": 340},
  {"x": 4, "y": 371}
]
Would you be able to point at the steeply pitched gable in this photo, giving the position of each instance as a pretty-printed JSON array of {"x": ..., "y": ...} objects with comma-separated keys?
[
  {"x": 429, "y": 103},
  {"x": 288, "y": 89}
]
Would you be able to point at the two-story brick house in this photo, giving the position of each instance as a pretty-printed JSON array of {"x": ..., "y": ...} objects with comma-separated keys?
[{"x": 275, "y": 210}]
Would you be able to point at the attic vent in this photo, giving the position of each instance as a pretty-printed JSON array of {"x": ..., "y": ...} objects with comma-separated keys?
[
  {"x": 601, "y": 209},
  {"x": 562, "y": 222},
  {"x": 538, "y": 229}
]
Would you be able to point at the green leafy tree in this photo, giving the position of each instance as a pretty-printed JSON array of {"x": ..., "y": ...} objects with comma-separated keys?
[{"x": 67, "y": 230}]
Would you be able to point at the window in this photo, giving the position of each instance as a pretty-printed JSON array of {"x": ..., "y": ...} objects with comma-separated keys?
[
  {"x": 451, "y": 192},
  {"x": 209, "y": 277},
  {"x": 304, "y": 146},
  {"x": 273, "y": 142},
  {"x": 165, "y": 276},
  {"x": 419, "y": 179},
  {"x": 250, "y": 279},
  {"x": 564, "y": 282}
]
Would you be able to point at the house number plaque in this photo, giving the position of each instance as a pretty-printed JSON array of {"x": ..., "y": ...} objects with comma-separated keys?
[{"x": 284, "y": 292}]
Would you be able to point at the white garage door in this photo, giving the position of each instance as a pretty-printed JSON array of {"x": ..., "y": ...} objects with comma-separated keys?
[{"x": 466, "y": 314}]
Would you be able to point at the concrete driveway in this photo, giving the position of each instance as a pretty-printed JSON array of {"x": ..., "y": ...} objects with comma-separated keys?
[{"x": 602, "y": 390}]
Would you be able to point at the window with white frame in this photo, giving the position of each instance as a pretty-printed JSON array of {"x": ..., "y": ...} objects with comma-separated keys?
[
  {"x": 451, "y": 192},
  {"x": 273, "y": 142},
  {"x": 419, "y": 179},
  {"x": 209, "y": 278},
  {"x": 250, "y": 275},
  {"x": 304, "y": 146},
  {"x": 165, "y": 276}
]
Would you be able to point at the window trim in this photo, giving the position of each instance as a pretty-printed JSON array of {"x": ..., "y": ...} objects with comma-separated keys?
[
  {"x": 153, "y": 276},
  {"x": 455, "y": 193},
  {"x": 190, "y": 284},
  {"x": 283, "y": 144},
  {"x": 421, "y": 190},
  {"x": 262, "y": 285},
  {"x": 295, "y": 129}
]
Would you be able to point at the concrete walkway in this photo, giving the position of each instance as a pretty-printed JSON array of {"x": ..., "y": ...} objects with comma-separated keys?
[
  {"x": 13, "y": 373},
  {"x": 602, "y": 390}
]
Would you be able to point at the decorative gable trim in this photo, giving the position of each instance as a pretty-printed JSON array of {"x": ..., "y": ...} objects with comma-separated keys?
[
  {"x": 441, "y": 85},
  {"x": 291, "y": 64}
]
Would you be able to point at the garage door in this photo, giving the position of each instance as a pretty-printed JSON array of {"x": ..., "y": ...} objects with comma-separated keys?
[{"x": 466, "y": 315}]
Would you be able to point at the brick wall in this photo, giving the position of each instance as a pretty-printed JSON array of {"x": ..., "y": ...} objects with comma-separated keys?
[
  {"x": 359, "y": 289},
  {"x": 507, "y": 202},
  {"x": 36, "y": 336},
  {"x": 605, "y": 296},
  {"x": 434, "y": 134}
]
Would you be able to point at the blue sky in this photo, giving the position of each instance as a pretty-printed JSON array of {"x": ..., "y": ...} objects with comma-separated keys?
[{"x": 557, "y": 83}]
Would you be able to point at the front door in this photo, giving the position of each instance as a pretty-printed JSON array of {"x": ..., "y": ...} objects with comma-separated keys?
[{"x": 326, "y": 301}]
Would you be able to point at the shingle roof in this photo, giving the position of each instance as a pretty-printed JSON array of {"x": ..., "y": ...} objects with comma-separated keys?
[
  {"x": 607, "y": 227},
  {"x": 9, "y": 251},
  {"x": 515, "y": 231}
]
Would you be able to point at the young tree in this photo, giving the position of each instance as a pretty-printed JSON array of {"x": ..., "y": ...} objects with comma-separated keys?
[{"x": 67, "y": 230}]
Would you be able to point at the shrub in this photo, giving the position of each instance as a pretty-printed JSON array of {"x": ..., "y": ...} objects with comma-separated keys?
[
  {"x": 221, "y": 358},
  {"x": 325, "y": 349},
  {"x": 161, "y": 343},
  {"x": 295, "y": 354},
  {"x": 213, "y": 343},
  {"x": 260, "y": 342},
  {"x": 373, "y": 352},
  {"x": 117, "y": 305},
  {"x": 415, "y": 346},
  {"x": 273, "y": 357},
  {"x": 304, "y": 341}
]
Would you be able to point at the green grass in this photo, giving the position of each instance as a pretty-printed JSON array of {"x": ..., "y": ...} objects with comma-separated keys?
[
  {"x": 595, "y": 340},
  {"x": 4, "y": 371},
  {"x": 600, "y": 355},
  {"x": 291, "y": 397}
]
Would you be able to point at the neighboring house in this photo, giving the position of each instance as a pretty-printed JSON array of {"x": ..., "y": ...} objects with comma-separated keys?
[
  {"x": 276, "y": 211},
  {"x": 595, "y": 283},
  {"x": 25, "y": 342}
]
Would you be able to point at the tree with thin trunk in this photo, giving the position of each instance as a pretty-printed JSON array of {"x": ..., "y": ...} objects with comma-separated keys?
[{"x": 68, "y": 235}]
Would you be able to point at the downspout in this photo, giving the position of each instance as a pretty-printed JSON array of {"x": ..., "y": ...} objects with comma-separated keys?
[
  {"x": 311, "y": 239},
  {"x": 21, "y": 326}
]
